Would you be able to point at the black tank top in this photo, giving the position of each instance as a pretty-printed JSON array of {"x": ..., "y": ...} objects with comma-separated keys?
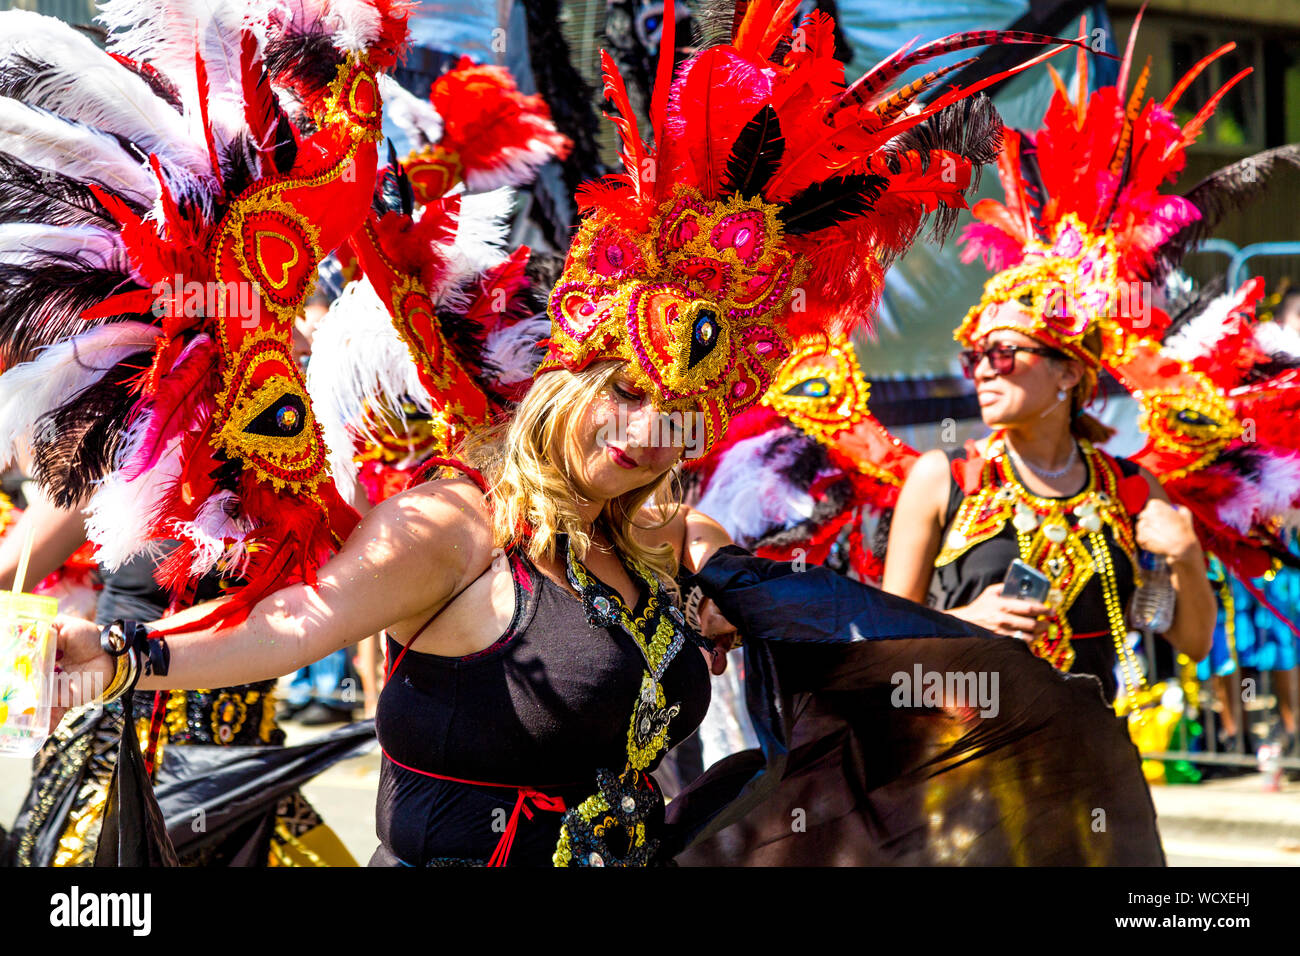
[
  {"x": 546, "y": 706},
  {"x": 963, "y": 580}
]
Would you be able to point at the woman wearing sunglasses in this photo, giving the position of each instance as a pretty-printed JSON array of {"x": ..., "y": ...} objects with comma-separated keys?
[
  {"x": 1079, "y": 244},
  {"x": 1037, "y": 489}
]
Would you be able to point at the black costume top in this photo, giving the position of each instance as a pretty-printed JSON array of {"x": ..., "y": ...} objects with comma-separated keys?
[
  {"x": 961, "y": 580},
  {"x": 545, "y": 707}
]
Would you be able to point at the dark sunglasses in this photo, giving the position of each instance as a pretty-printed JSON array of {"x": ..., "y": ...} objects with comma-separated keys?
[{"x": 1002, "y": 358}]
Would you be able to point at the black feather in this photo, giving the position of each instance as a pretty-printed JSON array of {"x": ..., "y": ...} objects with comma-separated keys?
[
  {"x": 237, "y": 163},
  {"x": 402, "y": 183},
  {"x": 464, "y": 335},
  {"x": 41, "y": 302},
  {"x": 75, "y": 444},
  {"x": 1218, "y": 194},
  {"x": 1187, "y": 307},
  {"x": 714, "y": 22},
  {"x": 29, "y": 194},
  {"x": 755, "y": 155},
  {"x": 286, "y": 145},
  {"x": 305, "y": 60},
  {"x": 388, "y": 193},
  {"x": 971, "y": 128},
  {"x": 826, "y": 203},
  {"x": 542, "y": 271}
]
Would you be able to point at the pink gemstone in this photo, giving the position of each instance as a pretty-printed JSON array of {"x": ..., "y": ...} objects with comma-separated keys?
[
  {"x": 762, "y": 348},
  {"x": 742, "y": 236},
  {"x": 740, "y": 389},
  {"x": 586, "y": 309}
]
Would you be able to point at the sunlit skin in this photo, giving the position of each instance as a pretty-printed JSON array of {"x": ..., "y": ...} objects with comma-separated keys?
[
  {"x": 619, "y": 463},
  {"x": 422, "y": 566},
  {"x": 1027, "y": 405}
]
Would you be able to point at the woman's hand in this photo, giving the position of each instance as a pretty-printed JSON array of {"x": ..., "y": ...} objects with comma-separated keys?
[
  {"x": 719, "y": 630},
  {"x": 1167, "y": 530},
  {"x": 84, "y": 670},
  {"x": 1008, "y": 616}
]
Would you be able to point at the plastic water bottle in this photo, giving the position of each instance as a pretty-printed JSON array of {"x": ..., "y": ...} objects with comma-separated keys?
[
  {"x": 1152, "y": 607},
  {"x": 1270, "y": 765}
]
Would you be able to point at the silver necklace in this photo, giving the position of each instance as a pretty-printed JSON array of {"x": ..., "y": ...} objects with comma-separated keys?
[{"x": 1042, "y": 472}]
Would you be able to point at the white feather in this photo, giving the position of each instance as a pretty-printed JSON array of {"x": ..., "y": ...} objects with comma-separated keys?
[
  {"x": 29, "y": 390},
  {"x": 81, "y": 82},
  {"x": 1203, "y": 333},
  {"x": 218, "y": 533},
  {"x": 1274, "y": 338},
  {"x": 357, "y": 357},
  {"x": 356, "y": 24},
  {"x": 518, "y": 167},
  {"x": 121, "y": 512},
  {"x": 166, "y": 35},
  {"x": 513, "y": 350},
  {"x": 747, "y": 494},
  {"x": 1271, "y": 492},
  {"x": 99, "y": 248},
  {"x": 413, "y": 116},
  {"x": 45, "y": 141},
  {"x": 1279, "y": 483},
  {"x": 482, "y": 229}
]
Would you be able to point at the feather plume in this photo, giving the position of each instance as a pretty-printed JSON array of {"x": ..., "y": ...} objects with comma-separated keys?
[
  {"x": 750, "y": 495},
  {"x": 28, "y": 194},
  {"x": 119, "y": 509},
  {"x": 358, "y": 360},
  {"x": 755, "y": 155},
  {"x": 45, "y": 141},
  {"x": 413, "y": 116},
  {"x": 79, "y": 81},
  {"x": 824, "y": 204},
  {"x": 42, "y": 301},
  {"x": 633, "y": 151},
  {"x": 1224, "y": 191},
  {"x": 218, "y": 536},
  {"x": 74, "y": 445},
  {"x": 173, "y": 406},
  {"x": 32, "y": 389}
]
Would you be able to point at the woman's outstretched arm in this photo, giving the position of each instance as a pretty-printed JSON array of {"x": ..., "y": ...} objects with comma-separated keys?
[{"x": 405, "y": 560}]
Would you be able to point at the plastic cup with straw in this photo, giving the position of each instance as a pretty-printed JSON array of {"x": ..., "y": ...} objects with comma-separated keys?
[{"x": 27, "y": 683}]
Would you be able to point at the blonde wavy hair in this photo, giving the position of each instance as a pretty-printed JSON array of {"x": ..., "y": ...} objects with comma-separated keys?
[{"x": 532, "y": 493}]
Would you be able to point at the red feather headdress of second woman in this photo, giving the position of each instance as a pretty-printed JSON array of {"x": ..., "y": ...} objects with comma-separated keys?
[{"x": 1083, "y": 241}]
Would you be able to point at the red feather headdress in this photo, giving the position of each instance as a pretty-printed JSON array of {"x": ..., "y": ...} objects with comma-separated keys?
[
  {"x": 771, "y": 202},
  {"x": 170, "y": 220},
  {"x": 409, "y": 359}
]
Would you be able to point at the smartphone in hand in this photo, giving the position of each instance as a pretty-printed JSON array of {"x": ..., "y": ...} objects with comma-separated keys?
[{"x": 1026, "y": 583}]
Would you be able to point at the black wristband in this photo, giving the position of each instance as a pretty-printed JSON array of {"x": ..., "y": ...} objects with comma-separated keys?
[{"x": 155, "y": 656}]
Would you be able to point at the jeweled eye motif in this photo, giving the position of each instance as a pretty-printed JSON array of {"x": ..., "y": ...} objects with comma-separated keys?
[
  {"x": 283, "y": 418},
  {"x": 1189, "y": 417},
  {"x": 704, "y": 335},
  {"x": 810, "y": 388}
]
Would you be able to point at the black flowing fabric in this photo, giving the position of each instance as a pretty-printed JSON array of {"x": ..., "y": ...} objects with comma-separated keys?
[
  {"x": 133, "y": 832},
  {"x": 854, "y": 770},
  {"x": 204, "y": 796},
  {"x": 208, "y": 795}
]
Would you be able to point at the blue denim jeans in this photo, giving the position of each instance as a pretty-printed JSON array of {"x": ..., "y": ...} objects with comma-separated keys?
[{"x": 321, "y": 682}]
